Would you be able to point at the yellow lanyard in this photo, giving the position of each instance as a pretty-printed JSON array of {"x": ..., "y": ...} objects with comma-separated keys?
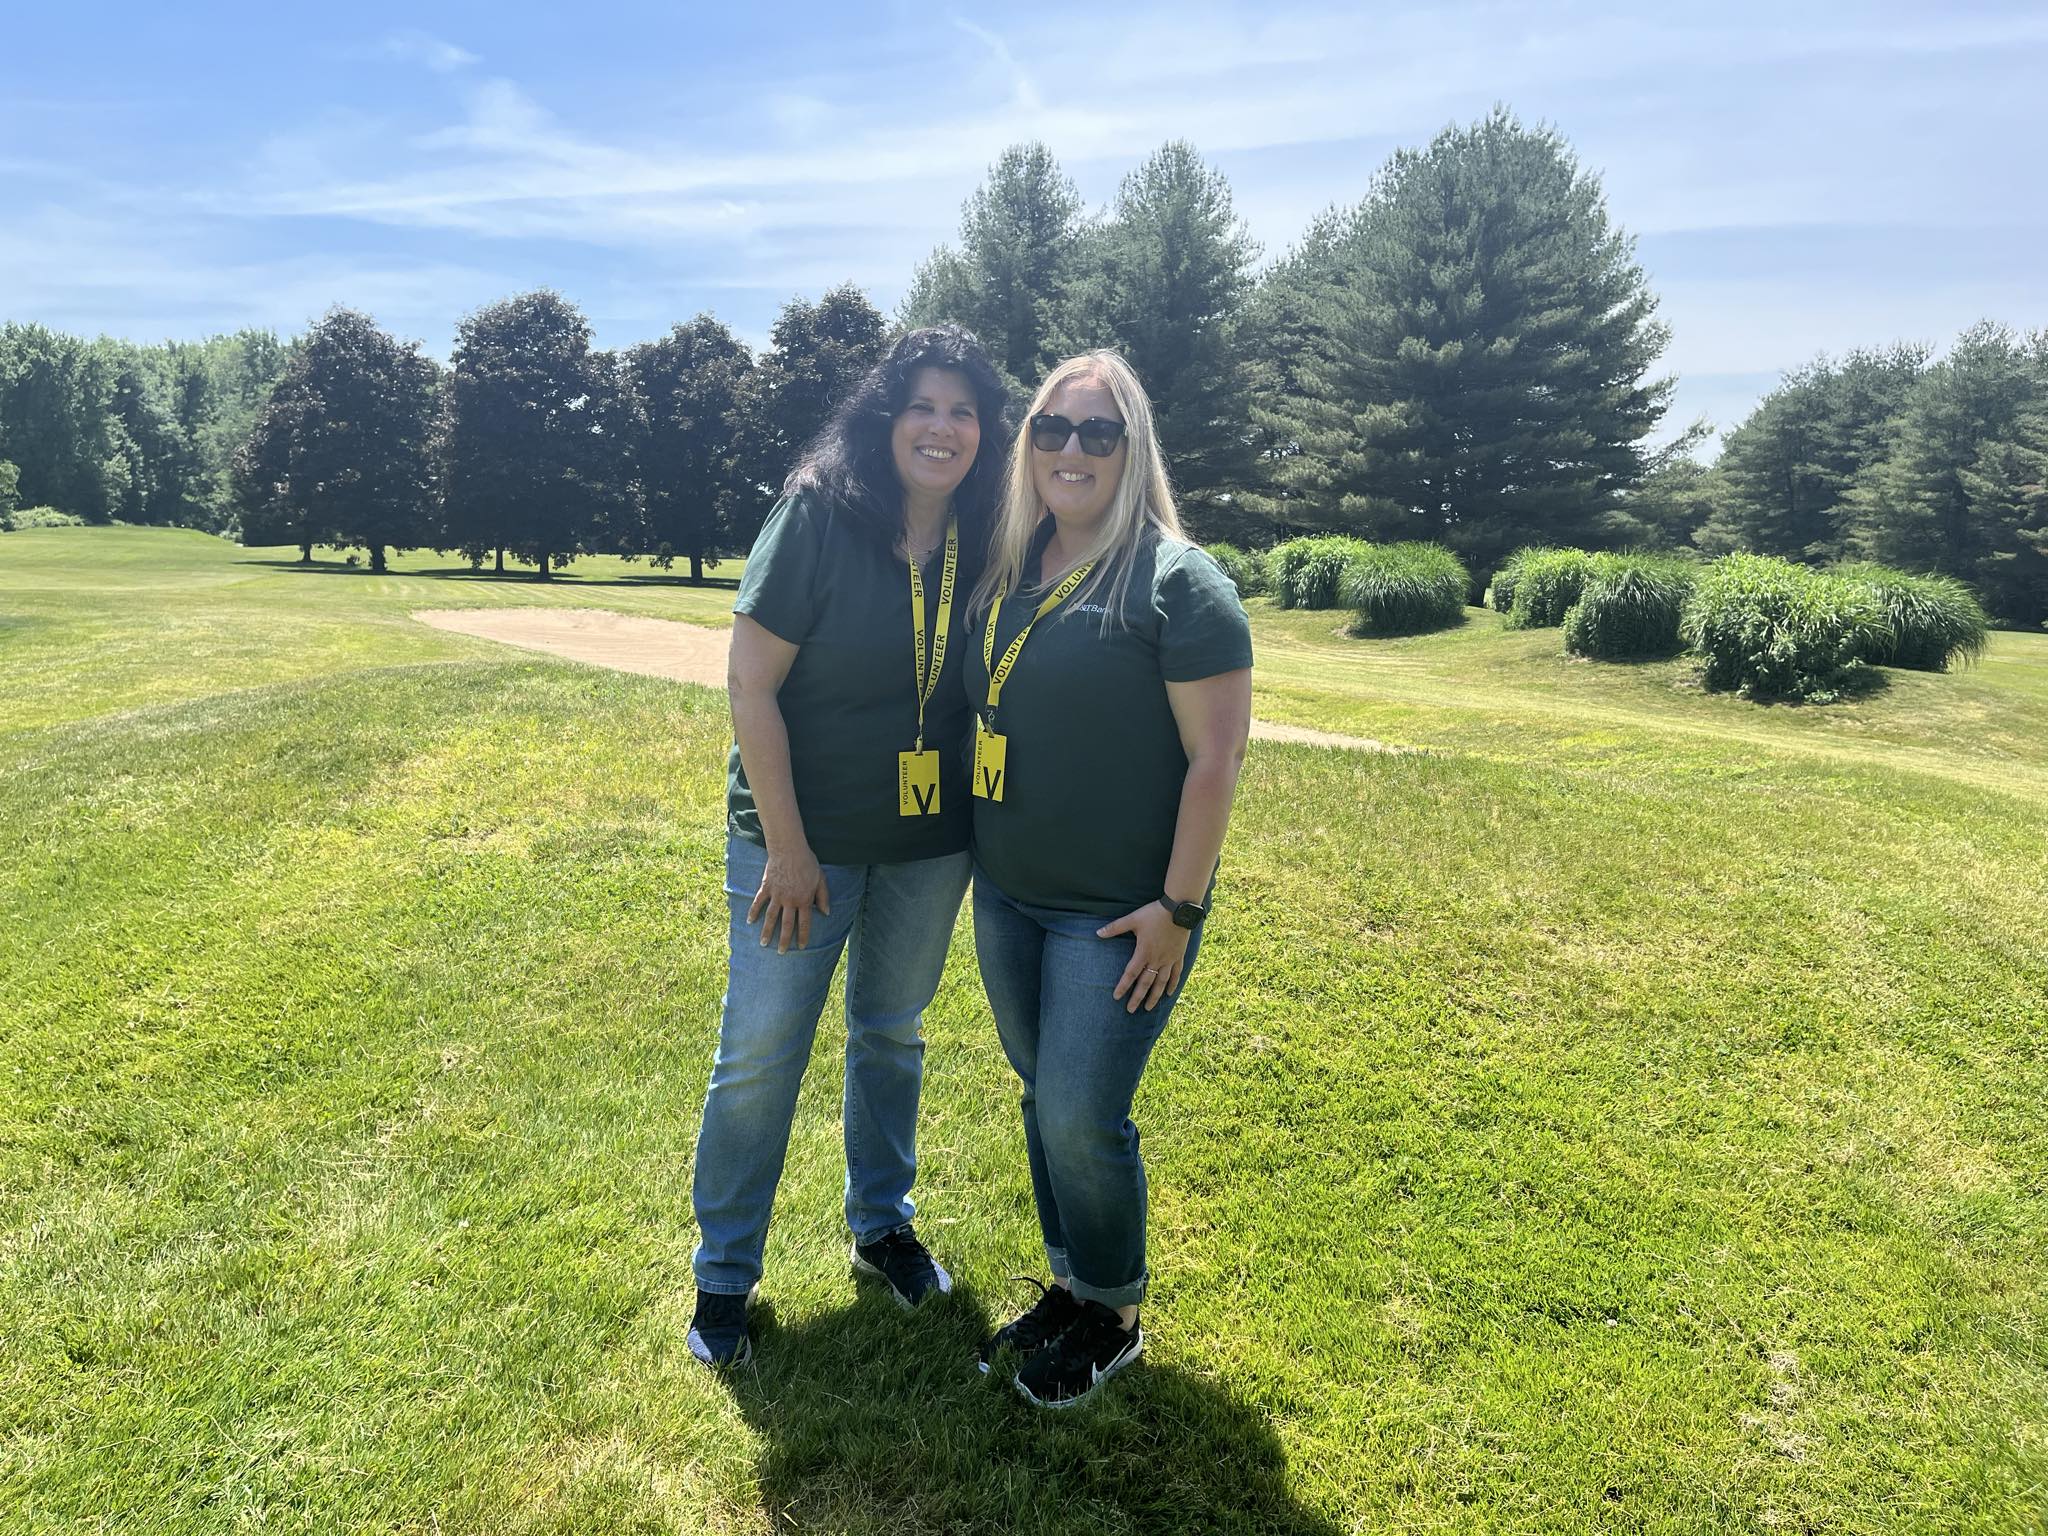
[
  {"x": 927, "y": 686},
  {"x": 999, "y": 672}
]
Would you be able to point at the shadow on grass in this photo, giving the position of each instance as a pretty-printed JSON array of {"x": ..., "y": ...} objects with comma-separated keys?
[
  {"x": 1864, "y": 683},
  {"x": 510, "y": 578},
  {"x": 876, "y": 1419},
  {"x": 1352, "y": 631}
]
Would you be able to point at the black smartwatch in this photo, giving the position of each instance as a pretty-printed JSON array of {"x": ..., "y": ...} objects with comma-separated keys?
[{"x": 1186, "y": 914}]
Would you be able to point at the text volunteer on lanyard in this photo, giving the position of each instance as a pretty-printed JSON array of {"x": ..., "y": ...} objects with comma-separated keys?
[
  {"x": 917, "y": 771},
  {"x": 990, "y": 750}
]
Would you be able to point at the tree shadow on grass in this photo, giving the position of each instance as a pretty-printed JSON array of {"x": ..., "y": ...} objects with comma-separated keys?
[
  {"x": 877, "y": 1420},
  {"x": 466, "y": 576},
  {"x": 1863, "y": 683}
]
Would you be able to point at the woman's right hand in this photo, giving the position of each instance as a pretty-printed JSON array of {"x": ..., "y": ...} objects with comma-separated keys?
[{"x": 790, "y": 884}]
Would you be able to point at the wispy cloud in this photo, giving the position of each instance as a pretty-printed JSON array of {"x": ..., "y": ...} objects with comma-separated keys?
[
  {"x": 411, "y": 46},
  {"x": 510, "y": 167},
  {"x": 1023, "y": 94}
]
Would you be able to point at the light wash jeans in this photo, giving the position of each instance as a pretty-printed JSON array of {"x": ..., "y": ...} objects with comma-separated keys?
[
  {"x": 895, "y": 922},
  {"x": 1080, "y": 1055}
]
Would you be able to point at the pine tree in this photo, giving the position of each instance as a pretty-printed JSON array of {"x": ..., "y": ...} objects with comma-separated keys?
[
  {"x": 1478, "y": 372},
  {"x": 1164, "y": 280},
  {"x": 1008, "y": 281},
  {"x": 1791, "y": 465},
  {"x": 1289, "y": 325},
  {"x": 1677, "y": 498},
  {"x": 1961, "y": 491}
]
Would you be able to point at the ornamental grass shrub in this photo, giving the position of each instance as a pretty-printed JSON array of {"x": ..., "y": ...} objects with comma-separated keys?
[
  {"x": 1769, "y": 629},
  {"x": 1246, "y": 571},
  {"x": 45, "y": 517},
  {"x": 1403, "y": 589},
  {"x": 1932, "y": 622},
  {"x": 1500, "y": 595},
  {"x": 1630, "y": 606},
  {"x": 1307, "y": 573},
  {"x": 1545, "y": 586}
]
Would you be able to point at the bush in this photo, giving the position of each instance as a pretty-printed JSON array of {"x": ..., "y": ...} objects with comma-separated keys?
[
  {"x": 1770, "y": 629},
  {"x": 1246, "y": 571},
  {"x": 1630, "y": 606},
  {"x": 1500, "y": 596},
  {"x": 1307, "y": 573},
  {"x": 1931, "y": 622},
  {"x": 46, "y": 517},
  {"x": 1545, "y": 586},
  {"x": 1401, "y": 589}
]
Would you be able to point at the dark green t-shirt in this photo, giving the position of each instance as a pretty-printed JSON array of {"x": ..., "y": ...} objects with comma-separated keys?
[
  {"x": 850, "y": 700},
  {"x": 1094, "y": 760}
]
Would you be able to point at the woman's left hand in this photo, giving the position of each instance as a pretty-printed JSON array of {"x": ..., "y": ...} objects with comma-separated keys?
[{"x": 1155, "y": 968}]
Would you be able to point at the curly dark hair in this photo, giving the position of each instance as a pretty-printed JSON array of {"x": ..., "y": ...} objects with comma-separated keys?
[{"x": 850, "y": 462}]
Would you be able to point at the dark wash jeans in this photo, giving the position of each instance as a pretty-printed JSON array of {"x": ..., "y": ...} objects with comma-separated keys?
[{"x": 1080, "y": 1055}]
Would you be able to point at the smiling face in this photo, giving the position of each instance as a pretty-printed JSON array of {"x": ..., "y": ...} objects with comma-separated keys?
[
  {"x": 935, "y": 438},
  {"x": 1076, "y": 488}
]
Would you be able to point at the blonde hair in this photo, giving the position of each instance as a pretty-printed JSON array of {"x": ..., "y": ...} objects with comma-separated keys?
[{"x": 1143, "y": 499}]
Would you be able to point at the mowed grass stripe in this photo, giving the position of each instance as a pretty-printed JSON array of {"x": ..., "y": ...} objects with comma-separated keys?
[{"x": 1538, "y": 1148}]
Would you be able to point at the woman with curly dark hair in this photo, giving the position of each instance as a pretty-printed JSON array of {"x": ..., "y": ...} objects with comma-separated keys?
[{"x": 847, "y": 807}]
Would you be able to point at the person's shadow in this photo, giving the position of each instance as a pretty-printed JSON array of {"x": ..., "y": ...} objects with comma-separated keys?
[{"x": 876, "y": 1419}]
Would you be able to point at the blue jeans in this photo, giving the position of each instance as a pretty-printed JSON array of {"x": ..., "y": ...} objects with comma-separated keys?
[
  {"x": 895, "y": 921},
  {"x": 1080, "y": 1056}
]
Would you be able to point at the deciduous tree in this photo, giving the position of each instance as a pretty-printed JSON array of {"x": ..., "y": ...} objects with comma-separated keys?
[
  {"x": 526, "y": 450},
  {"x": 343, "y": 454},
  {"x": 818, "y": 352},
  {"x": 696, "y": 491}
]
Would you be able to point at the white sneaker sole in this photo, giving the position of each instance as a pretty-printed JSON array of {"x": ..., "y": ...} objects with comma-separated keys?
[
  {"x": 862, "y": 1266},
  {"x": 1137, "y": 1348}
]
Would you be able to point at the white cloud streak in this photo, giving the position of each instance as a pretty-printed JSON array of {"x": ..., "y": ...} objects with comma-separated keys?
[{"x": 411, "y": 46}]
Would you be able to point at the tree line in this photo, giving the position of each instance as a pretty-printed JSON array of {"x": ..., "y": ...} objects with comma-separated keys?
[
  {"x": 1465, "y": 355},
  {"x": 110, "y": 431},
  {"x": 534, "y": 444}
]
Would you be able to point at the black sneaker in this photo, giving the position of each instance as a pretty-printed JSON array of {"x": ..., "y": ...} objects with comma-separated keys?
[
  {"x": 1046, "y": 1321},
  {"x": 1094, "y": 1347},
  {"x": 901, "y": 1260},
  {"x": 718, "y": 1331}
]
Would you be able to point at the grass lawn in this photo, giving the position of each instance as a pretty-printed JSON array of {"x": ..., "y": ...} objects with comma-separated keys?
[{"x": 1624, "y": 1114}]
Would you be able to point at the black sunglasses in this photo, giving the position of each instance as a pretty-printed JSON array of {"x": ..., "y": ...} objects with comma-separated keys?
[{"x": 1099, "y": 434}]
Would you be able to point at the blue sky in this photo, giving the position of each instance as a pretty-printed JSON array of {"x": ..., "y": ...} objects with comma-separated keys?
[{"x": 1800, "y": 177}]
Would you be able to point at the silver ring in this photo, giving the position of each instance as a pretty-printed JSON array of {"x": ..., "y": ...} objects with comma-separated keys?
[{"x": 1150, "y": 970}]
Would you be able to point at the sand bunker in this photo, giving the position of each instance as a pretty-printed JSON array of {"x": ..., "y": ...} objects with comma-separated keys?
[{"x": 690, "y": 653}]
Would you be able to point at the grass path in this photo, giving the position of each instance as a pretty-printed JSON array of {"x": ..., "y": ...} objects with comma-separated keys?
[{"x": 1626, "y": 1115}]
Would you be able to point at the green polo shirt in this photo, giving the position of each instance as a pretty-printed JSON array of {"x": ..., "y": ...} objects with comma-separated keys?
[
  {"x": 1094, "y": 761},
  {"x": 850, "y": 700}
]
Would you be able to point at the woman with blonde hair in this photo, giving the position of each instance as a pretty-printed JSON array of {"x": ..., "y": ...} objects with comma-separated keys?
[{"x": 1112, "y": 694}]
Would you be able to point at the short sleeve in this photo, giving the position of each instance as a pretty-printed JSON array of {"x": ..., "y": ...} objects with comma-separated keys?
[
  {"x": 1202, "y": 627},
  {"x": 778, "y": 589}
]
